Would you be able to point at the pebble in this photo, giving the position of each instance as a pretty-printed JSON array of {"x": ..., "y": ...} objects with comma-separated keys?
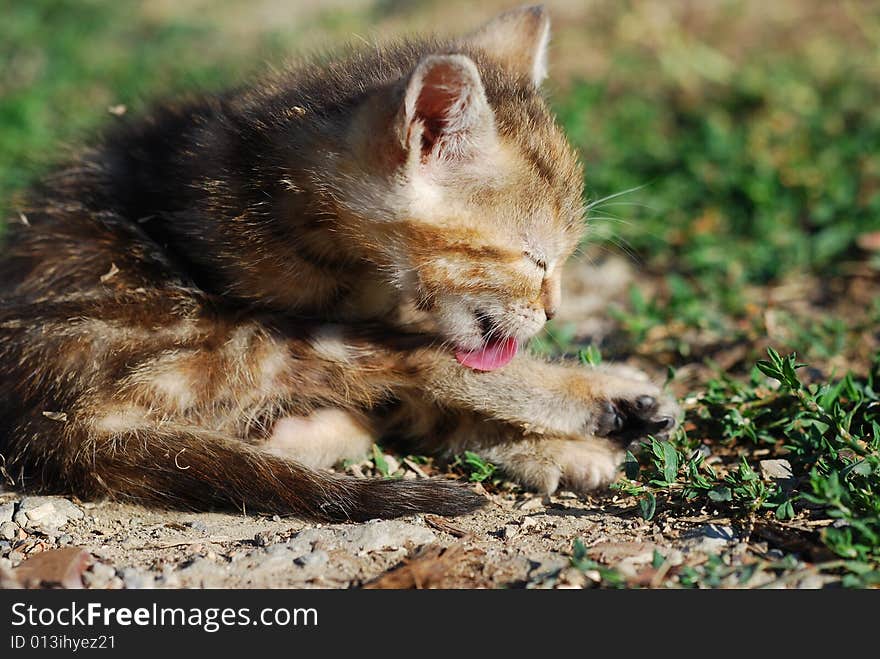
[
  {"x": 6, "y": 512},
  {"x": 316, "y": 559},
  {"x": 373, "y": 536},
  {"x": 776, "y": 469},
  {"x": 361, "y": 538},
  {"x": 134, "y": 579},
  {"x": 711, "y": 538},
  {"x": 131, "y": 542},
  {"x": 41, "y": 512},
  {"x": 280, "y": 549},
  {"x": 812, "y": 582},
  {"x": 779, "y": 471},
  {"x": 546, "y": 567},
  {"x": 393, "y": 464},
  {"x": 169, "y": 580},
  {"x": 8, "y": 530},
  {"x": 65, "y": 539},
  {"x": 674, "y": 557},
  {"x": 303, "y": 542},
  {"x": 99, "y": 576},
  {"x": 197, "y": 525},
  {"x": 510, "y": 531},
  {"x": 535, "y": 503},
  {"x": 265, "y": 538},
  {"x": 574, "y": 578},
  {"x": 46, "y": 512},
  {"x": 206, "y": 574}
]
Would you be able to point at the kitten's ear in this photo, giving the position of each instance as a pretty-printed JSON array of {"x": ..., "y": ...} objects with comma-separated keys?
[
  {"x": 518, "y": 39},
  {"x": 445, "y": 114}
]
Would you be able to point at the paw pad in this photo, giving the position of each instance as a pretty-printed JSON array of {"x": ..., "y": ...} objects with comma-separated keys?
[{"x": 627, "y": 420}]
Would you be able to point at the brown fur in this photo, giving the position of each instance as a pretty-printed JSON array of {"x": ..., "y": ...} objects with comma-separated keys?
[{"x": 222, "y": 285}]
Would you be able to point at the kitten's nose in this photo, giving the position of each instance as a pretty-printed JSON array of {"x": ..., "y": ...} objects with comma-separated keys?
[{"x": 551, "y": 295}]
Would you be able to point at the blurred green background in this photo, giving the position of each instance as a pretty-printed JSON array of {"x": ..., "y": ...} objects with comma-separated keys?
[{"x": 750, "y": 131}]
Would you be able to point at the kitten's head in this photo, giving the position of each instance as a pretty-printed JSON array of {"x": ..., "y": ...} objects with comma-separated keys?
[{"x": 467, "y": 192}]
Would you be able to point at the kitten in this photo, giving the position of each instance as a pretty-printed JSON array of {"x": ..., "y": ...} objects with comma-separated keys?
[{"x": 228, "y": 296}]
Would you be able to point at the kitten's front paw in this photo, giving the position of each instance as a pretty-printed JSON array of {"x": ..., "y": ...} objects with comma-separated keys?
[
  {"x": 587, "y": 464},
  {"x": 629, "y": 407},
  {"x": 546, "y": 465},
  {"x": 626, "y": 420}
]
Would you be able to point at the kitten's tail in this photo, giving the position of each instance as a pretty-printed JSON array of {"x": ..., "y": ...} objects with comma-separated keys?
[{"x": 199, "y": 470}]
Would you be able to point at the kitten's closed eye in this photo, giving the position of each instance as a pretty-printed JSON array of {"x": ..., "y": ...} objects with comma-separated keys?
[{"x": 537, "y": 260}]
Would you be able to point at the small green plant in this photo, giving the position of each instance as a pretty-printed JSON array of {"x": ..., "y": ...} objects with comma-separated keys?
[
  {"x": 590, "y": 355},
  {"x": 476, "y": 468},
  {"x": 829, "y": 432},
  {"x": 555, "y": 339},
  {"x": 580, "y": 560},
  {"x": 380, "y": 462}
]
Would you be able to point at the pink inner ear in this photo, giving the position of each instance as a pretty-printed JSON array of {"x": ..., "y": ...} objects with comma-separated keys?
[{"x": 441, "y": 100}]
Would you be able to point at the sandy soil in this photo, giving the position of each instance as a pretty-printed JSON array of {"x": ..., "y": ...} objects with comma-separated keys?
[{"x": 519, "y": 540}]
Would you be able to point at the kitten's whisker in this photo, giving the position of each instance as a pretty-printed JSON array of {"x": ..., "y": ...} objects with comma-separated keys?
[
  {"x": 596, "y": 202},
  {"x": 621, "y": 247},
  {"x": 626, "y": 203},
  {"x": 611, "y": 218}
]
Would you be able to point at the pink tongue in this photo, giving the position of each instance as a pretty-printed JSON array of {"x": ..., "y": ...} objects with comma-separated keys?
[{"x": 495, "y": 355}]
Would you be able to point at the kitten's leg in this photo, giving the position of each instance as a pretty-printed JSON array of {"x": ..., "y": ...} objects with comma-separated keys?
[
  {"x": 546, "y": 464},
  {"x": 323, "y": 438},
  {"x": 540, "y": 462},
  {"x": 555, "y": 398},
  {"x": 536, "y": 396}
]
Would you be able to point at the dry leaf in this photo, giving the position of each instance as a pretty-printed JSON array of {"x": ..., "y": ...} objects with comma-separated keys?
[
  {"x": 870, "y": 242},
  {"x": 612, "y": 552},
  {"x": 446, "y": 526},
  {"x": 54, "y": 568},
  {"x": 426, "y": 569}
]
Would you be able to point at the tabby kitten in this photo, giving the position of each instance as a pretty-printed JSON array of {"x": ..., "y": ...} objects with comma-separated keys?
[{"x": 230, "y": 295}]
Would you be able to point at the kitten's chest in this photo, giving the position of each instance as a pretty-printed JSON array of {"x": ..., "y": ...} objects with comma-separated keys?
[
  {"x": 365, "y": 296},
  {"x": 368, "y": 297}
]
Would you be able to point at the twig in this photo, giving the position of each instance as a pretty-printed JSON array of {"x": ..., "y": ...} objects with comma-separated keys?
[
  {"x": 447, "y": 527},
  {"x": 785, "y": 579}
]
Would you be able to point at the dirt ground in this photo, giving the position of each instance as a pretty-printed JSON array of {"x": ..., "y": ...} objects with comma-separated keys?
[{"x": 517, "y": 541}]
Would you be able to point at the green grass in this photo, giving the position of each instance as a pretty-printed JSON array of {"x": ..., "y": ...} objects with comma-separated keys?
[
  {"x": 475, "y": 468},
  {"x": 63, "y": 64},
  {"x": 732, "y": 181},
  {"x": 762, "y": 174},
  {"x": 829, "y": 433}
]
